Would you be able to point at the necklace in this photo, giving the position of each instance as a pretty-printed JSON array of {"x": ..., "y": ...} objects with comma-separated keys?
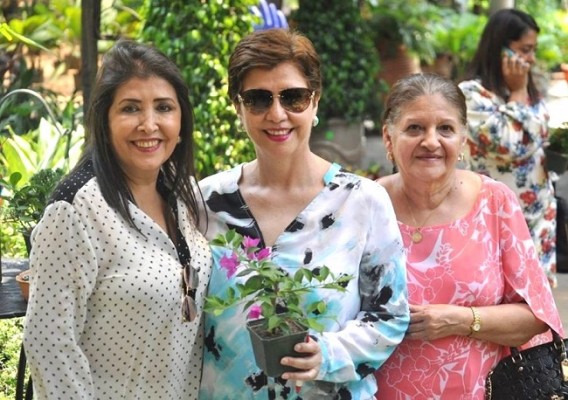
[{"x": 417, "y": 236}]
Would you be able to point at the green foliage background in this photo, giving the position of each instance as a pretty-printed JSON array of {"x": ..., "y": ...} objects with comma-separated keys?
[
  {"x": 199, "y": 36},
  {"x": 348, "y": 58},
  {"x": 10, "y": 341}
]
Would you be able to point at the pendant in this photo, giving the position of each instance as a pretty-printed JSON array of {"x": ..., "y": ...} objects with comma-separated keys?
[{"x": 416, "y": 236}]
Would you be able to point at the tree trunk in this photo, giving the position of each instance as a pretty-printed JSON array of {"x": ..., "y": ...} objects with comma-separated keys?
[{"x": 90, "y": 33}]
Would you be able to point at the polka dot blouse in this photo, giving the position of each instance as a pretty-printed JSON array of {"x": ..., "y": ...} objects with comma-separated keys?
[{"x": 104, "y": 315}]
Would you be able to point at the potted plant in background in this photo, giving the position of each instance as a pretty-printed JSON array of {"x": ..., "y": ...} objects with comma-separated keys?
[
  {"x": 25, "y": 207},
  {"x": 26, "y": 204},
  {"x": 454, "y": 39},
  {"x": 269, "y": 292},
  {"x": 557, "y": 151},
  {"x": 401, "y": 34},
  {"x": 351, "y": 93}
]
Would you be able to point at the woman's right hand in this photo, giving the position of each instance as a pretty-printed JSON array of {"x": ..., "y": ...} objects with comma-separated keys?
[{"x": 516, "y": 75}]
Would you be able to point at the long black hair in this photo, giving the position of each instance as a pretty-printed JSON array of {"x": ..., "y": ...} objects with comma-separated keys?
[
  {"x": 505, "y": 26},
  {"x": 124, "y": 61}
]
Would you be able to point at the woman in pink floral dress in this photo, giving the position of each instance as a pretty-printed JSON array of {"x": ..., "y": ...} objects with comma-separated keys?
[{"x": 475, "y": 286}]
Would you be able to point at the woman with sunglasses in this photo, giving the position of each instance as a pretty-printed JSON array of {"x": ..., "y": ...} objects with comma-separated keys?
[
  {"x": 310, "y": 213},
  {"x": 119, "y": 267}
]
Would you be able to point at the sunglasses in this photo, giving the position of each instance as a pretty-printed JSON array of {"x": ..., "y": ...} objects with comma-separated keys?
[
  {"x": 190, "y": 282},
  {"x": 258, "y": 101}
]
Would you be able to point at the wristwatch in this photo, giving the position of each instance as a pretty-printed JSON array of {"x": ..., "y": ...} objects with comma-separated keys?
[{"x": 476, "y": 324}]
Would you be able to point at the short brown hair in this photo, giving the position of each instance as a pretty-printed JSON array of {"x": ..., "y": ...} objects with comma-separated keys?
[{"x": 269, "y": 48}]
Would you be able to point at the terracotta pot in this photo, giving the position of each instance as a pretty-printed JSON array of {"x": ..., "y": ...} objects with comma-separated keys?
[
  {"x": 23, "y": 279},
  {"x": 564, "y": 68},
  {"x": 396, "y": 63}
]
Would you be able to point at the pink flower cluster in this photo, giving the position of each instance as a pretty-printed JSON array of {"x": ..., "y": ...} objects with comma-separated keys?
[{"x": 241, "y": 257}]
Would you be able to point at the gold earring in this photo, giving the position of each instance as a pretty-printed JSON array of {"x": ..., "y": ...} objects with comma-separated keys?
[
  {"x": 390, "y": 157},
  {"x": 179, "y": 139}
]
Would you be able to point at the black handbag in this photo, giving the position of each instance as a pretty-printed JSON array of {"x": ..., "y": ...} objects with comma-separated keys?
[
  {"x": 537, "y": 373},
  {"x": 561, "y": 234}
]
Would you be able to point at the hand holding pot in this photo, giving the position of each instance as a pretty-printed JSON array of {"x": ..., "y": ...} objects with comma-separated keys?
[{"x": 309, "y": 364}]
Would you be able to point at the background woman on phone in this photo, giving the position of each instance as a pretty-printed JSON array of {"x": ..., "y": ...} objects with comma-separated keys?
[{"x": 508, "y": 123}]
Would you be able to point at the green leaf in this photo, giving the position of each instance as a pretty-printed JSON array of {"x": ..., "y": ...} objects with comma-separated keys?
[{"x": 316, "y": 326}]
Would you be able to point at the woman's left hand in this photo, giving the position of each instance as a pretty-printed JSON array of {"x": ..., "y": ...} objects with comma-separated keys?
[
  {"x": 309, "y": 364},
  {"x": 435, "y": 321}
]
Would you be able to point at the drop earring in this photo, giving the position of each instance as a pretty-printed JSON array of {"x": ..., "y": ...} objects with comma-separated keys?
[
  {"x": 316, "y": 121},
  {"x": 390, "y": 157}
]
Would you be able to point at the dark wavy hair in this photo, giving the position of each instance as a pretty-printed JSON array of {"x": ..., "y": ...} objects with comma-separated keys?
[
  {"x": 124, "y": 61},
  {"x": 505, "y": 26}
]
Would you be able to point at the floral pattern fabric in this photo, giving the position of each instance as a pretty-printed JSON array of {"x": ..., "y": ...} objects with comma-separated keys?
[
  {"x": 350, "y": 227},
  {"x": 506, "y": 141},
  {"x": 485, "y": 258}
]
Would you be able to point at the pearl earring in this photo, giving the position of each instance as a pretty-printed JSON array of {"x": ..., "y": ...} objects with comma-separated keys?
[{"x": 316, "y": 121}]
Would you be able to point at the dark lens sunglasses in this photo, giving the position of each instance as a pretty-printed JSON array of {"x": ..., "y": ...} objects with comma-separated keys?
[
  {"x": 258, "y": 101},
  {"x": 190, "y": 281}
]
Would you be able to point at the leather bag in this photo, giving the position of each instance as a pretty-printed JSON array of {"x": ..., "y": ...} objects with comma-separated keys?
[
  {"x": 537, "y": 373},
  {"x": 561, "y": 234}
]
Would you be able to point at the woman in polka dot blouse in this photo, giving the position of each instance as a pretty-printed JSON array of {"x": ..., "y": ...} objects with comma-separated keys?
[{"x": 119, "y": 269}]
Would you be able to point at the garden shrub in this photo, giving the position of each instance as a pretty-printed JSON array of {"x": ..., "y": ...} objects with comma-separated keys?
[{"x": 199, "y": 37}]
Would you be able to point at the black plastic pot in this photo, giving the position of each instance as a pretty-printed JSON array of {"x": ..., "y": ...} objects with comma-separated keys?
[
  {"x": 556, "y": 162},
  {"x": 269, "y": 349}
]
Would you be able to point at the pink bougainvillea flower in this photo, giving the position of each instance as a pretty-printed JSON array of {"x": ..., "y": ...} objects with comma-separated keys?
[
  {"x": 230, "y": 264},
  {"x": 249, "y": 242},
  {"x": 255, "y": 311},
  {"x": 263, "y": 254}
]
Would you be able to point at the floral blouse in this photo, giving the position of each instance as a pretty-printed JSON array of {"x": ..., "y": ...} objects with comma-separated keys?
[
  {"x": 506, "y": 142},
  {"x": 350, "y": 227},
  {"x": 484, "y": 258}
]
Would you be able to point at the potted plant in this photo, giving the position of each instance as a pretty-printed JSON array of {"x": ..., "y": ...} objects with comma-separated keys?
[
  {"x": 557, "y": 151},
  {"x": 269, "y": 292},
  {"x": 454, "y": 39},
  {"x": 351, "y": 92},
  {"x": 401, "y": 34},
  {"x": 25, "y": 204}
]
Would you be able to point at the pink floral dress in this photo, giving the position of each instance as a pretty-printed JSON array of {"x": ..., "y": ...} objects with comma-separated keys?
[{"x": 485, "y": 258}]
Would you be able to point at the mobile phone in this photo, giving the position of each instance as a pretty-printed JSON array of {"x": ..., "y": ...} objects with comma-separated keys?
[{"x": 508, "y": 52}]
